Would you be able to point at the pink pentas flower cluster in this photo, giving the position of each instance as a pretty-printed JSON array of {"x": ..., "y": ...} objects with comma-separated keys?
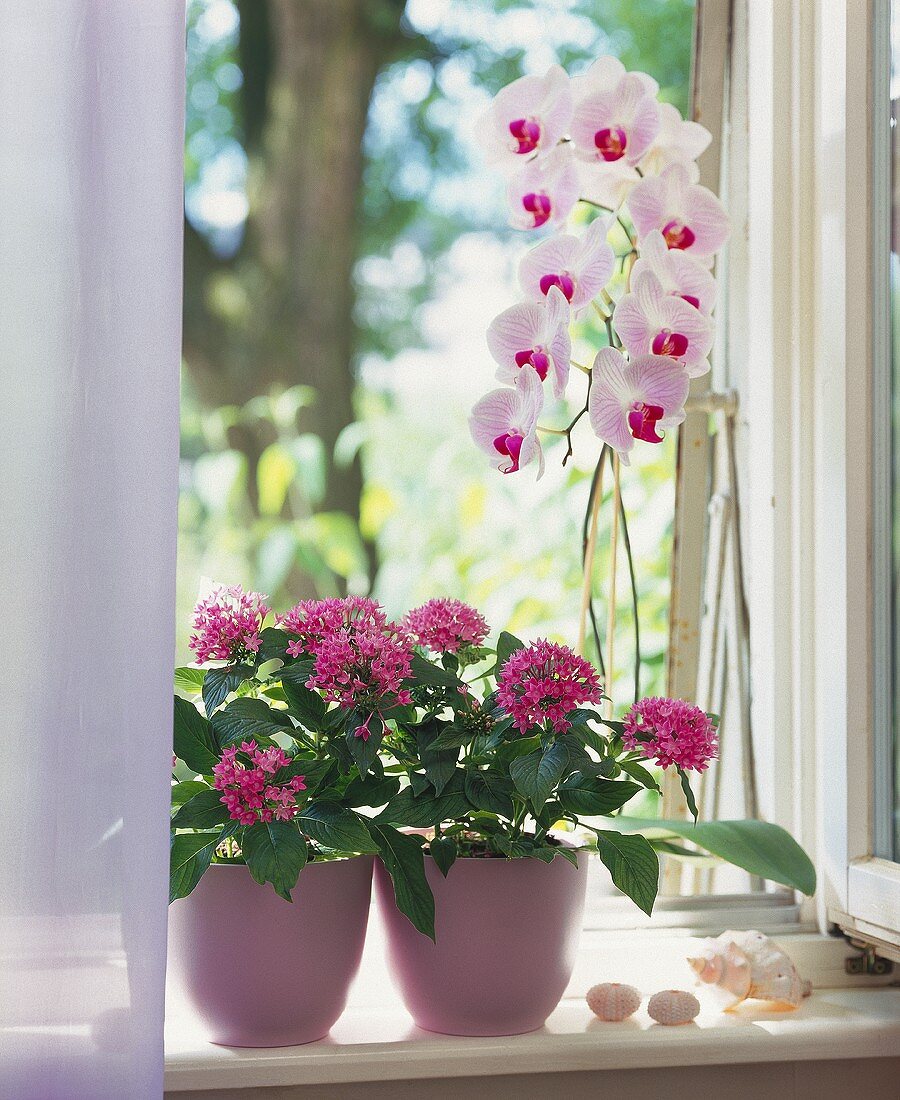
[
  {"x": 446, "y": 626},
  {"x": 543, "y": 683},
  {"x": 248, "y": 790},
  {"x": 602, "y": 137},
  {"x": 312, "y": 620},
  {"x": 360, "y": 659},
  {"x": 671, "y": 731},
  {"x": 227, "y": 625}
]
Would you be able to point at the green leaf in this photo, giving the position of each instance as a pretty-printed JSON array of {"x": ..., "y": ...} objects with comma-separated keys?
[
  {"x": 204, "y": 811},
  {"x": 181, "y": 792},
  {"x": 307, "y": 706},
  {"x": 273, "y": 643},
  {"x": 189, "y": 856},
  {"x": 537, "y": 774},
  {"x": 193, "y": 738},
  {"x": 189, "y": 680},
  {"x": 313, "y": 769},
  {"x": 221, "y": 682},
  {"x": 247, "y": 720},
  {"x": 424, "y": 672},
  {"x": 443, "y": 852},
  {"x": 566, "y": 853},
  {"x": 371, "y": 791},
  {"x": 451, "y": 737},
  {"x": 335, "y": 827},
  {"x": 275, "y": 852},
  {"x": 489, "y": 791},
  {"x": 584, "y": 795},
  {"x": 688, "y": 793},
  {"x": 640, "y": 773},
  {"x": 756, "y": 846},
  {"x": 507, "y": 644},
  {"x": 423, "y": 811},
  {"x": 364, "y": 750},
  {"x": 404, "y": 862},
  {"x": 633, "y": 866},
  {"x": 439, "y": 764}
]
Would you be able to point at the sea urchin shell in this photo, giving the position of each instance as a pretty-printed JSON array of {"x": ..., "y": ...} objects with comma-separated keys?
[
  {"x": 613, "y": 1001},
  {"x": 673, "y": 1006}
]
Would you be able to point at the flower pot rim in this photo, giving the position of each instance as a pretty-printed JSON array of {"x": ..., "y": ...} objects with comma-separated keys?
[{"x": 306, "y": 866}]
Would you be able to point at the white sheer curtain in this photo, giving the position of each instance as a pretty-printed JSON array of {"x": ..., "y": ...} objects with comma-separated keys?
[{"x": 91, "y": 124}]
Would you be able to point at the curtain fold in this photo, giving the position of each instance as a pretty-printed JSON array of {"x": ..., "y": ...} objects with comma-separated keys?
[{"x": 91, "y": 156}]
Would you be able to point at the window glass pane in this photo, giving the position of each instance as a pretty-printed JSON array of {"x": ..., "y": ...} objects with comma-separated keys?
[{"x": 887, "y": 753}]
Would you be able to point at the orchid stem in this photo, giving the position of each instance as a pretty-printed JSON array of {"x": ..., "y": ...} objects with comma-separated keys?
[
  {"x": 589, "y": 550},
  {"x": 580, "y": 366},
  {"x": 611, "y": 610},
  {"x": 626, "y": 539}
]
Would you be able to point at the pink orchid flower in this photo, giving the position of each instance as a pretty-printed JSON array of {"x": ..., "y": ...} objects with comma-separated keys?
[
  {"x": 635, "y": 400},
  {"x": 689, "y": 216},
  {"x": 527, "y": 117},
  {"x": 678, "y": 272},
  {"x": 504, "y": 424},
  {"x": 679, "y": 141},
  {"x": 606, "y": 185},
  {"x": 579, "y": 267},
  {"x": 604, "y": 74},
  {"x": 533, "y": 334},
  {"x": 544, "y": 190},
  {"x": 651, "y": 322},
  {"x": 616, "y": 116}
]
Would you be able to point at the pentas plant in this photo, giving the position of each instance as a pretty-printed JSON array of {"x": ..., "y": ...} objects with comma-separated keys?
[
  {"x": 601, "y": 141},
  {"x": 505, "y": 752},
  {"x": 276, "y": 736}
]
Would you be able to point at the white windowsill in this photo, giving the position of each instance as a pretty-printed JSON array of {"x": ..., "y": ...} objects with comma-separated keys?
[{"x": 375, "y": 1039}]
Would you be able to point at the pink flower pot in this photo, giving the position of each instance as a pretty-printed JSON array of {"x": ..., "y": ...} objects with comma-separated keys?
[
  {"x": 506, "y": 932},
  {"x": 263, "y": 972}
]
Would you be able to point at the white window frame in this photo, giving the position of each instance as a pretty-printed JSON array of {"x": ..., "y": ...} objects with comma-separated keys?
[{"x": 807, "y": 340}]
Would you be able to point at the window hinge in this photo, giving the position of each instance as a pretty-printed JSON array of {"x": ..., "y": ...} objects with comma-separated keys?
[{"x": 866, "y": 961}]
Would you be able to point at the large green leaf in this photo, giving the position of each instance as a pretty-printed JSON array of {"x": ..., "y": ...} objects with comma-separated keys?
[
  {"x": 424, "y": 672},
  {"x": 371, "y": 791},
  {"x": 404, "y": 862},
  {"x": 756, "y": 846},
  {"x": 489, "y": 791},
  {"x": 189, "y": 856},
  {"x": 633, "y": 866},
  {"x": 438, "y": 764},
  {"x": 443, "y": 852},
  {"x": 364, "y": 750},
  {"x": 193, "y": 738},
  {"x": 507, "y": 644},
  {"x": 537, "y": 774},
  {"x": 189, "y": 680},
  {"x": 275, "y": 852},
  {"x": 221, "y": 682},
  {"x": 307, "y": 706},
  {"x": 335, "y": 827},
  {"x": 423, "y": 811},
  {"x": 181, "y": 792},
  {"x": 204, "y": 811},
  {"x": 584, "y": 795},
  {"x": 248, "y": 720}
]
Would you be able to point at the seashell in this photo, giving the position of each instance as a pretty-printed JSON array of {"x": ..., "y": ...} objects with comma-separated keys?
[
  {"x": 673, "y": 1006},
  {"x": 745, "y": 965},
  {"x": 613, "y": 1001}
]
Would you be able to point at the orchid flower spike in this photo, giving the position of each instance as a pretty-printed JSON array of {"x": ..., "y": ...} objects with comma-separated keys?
[
  {"x": 651, "y": 322},
  {"x": 636, "y": 399},
  {"x": 579, "y": 267},
  {"x": 504, "y": 424},
  {"x": 679, "y": 141},
  {"x": 616, "y": 115},
  {"x": 533, "y": 334},
  {"x": 689, "y": 216},
  {"x": 527, "y": 117},
  {"x": 544, "y": 190},
  {"x": 678, "y": 272}
]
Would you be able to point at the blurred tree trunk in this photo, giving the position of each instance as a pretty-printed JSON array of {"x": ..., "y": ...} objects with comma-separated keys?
[{"x": 281, "y": 311}]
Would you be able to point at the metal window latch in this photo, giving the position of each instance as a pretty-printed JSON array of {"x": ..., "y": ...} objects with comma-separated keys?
[{"x": 866, "y": 961}]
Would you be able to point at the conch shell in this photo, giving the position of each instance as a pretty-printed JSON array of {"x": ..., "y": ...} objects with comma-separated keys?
[{"x": 748, "y": 965}]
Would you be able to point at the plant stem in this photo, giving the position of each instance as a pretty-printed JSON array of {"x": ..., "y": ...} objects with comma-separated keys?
[
  {"x": 590, "y": 548},
  {"x": 634, "y": 601},
  {"x": 611, "y": 610}
]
